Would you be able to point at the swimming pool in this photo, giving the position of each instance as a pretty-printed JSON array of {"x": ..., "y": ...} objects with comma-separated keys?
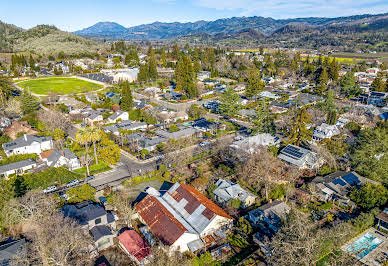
[{"x": 364, "y": 245}]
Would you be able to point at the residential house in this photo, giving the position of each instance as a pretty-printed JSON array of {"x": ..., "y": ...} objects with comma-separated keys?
[
  {"x": 325, "y": 131},
  {"x": 182, "y": 218},
  {"x": 382, "y": 219},
  {"x": 203, "y": 75},
  {"x": 93, "y": 217},
  {"x": 184, "y": 132},
  {"x": 58, "y": 158},
  {"x": 91, "y": 97},
  {"x": 270, "y": 95},
  {"x": 141, "y": 104},
  {"x": 227, "y": 190},
  {"x": 140, "y": 142},
  {"x": 119, "y": 114},
  {"x": 28, "y": 144},
  {"x": 374, "y": 98},
  {"x": 250, "y": 144},
  {"x": 17, "y": 167},
  {"x": 172, "y": 95},
  {"x": 268, "y": 216},
  {"x": 247, "y": 113},
  {"x": 171, "y": 117},
  {"x": 134, "y": 246},
  {"x": 300, "y": 157},
  {"x": 94, "y": 117},
  {"x": 336, "y": 186},
  {"x": 124, "y": 125},
  {"x": 18, "y": 127},
  {"x": 203, "y": 125},
  {"x": 4, "y": 122},
  {"x": 12, "y": 251}
]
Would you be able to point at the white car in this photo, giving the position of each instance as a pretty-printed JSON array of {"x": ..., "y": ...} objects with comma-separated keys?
[
  {"x": 72, "y": 183},
  {"x": 50, "y": 189}
]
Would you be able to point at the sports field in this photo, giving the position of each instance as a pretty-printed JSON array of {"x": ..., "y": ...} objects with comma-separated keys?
[{"x": 44, "y": 86}]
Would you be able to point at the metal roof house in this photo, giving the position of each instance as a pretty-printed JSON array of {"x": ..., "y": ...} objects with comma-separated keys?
[
  {"x": 228, "y": 190},
  {"x": 134, "y": 246},
  {"x": 182, "y": 216},
  {"x": 17, "y": 167},
  {"x": 300, "y": 157},
  {"x": 10, "y": 252},
  {"x": 124, "y": 125},
  {"x": 184, "y": 132},
  {"x": 28, "y": 144},
  {"x": 325, "y": 131}
]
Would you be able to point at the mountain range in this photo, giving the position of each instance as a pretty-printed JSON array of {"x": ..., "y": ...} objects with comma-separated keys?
[{"x": 252, "y": 26}]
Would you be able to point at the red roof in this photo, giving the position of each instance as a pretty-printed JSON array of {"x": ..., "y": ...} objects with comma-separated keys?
[
  {"x": 161, "y": 222},
  {"x": 134, "y": 244},
  {"x": 46, "y": 154},
  {"x": 211, "y": 206}
]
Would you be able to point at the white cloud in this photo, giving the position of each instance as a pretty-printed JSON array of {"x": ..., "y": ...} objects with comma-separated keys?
[{"x": 296, "y": 8}]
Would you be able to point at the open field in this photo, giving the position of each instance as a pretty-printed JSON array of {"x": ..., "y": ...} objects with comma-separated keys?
[{"x": 44, "y": 86}]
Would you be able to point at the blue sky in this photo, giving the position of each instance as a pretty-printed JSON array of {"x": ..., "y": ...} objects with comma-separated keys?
[{"x": 72, "y": 15}]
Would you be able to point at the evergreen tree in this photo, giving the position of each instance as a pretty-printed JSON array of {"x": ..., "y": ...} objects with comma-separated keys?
[
  {"x": 331, "y": 117},
  {"x": 263, "y": 119},
  {"x": 126, "y": 97},
  {"x": 378, "y": 84},
  {"x": 229, "y": 102},
  {"x": 142, "y": 77},
  {"x": 333, "y": 70},
  {"x": 152, "y": 64},
  {"x": 163, "y": 58},
  {"x": 175, "y": 52},
  {"x": 185, "y": 77},
  {"x": 254, "y": 82},
  {"x": 348, "y": 85},
  {"x": 197, "y": 67},
  {"x": 31, "y": 62},
  {"x": 29, "y": 103},
  {"x": 299, "y": 132}
]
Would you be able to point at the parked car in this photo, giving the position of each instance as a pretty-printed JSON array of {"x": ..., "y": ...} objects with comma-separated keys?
[
  {"x": 50, "y": 189},
  {"x": 72, "y": 183},
  {"x": 65, "y": 197},
  {"x": 90, "y": 177}
]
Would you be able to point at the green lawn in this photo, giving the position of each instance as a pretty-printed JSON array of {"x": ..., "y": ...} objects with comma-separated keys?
[{"x": 44, "y": 86}]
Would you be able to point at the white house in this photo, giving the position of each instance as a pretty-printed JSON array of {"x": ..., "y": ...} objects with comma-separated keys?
[
  {"x": 250, "y": 144},
  {"x": 58, "y": 158},
  {"x": 28, "y": 144},
  {"x": 325, "y": 131},
  {"x": 182, "y": 217},
  {"x": 17, "y": 167},
  {"x": 119, "y": 114}
]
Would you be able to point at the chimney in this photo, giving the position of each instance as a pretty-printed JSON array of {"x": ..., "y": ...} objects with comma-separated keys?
[
  {"x": 348, "y": 169},
  {"x": 25, "y": 137}
]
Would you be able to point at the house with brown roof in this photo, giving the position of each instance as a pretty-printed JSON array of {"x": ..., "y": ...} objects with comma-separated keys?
[
  {"x": 182, "y": 217},
  {"x": 17, "y": 127}
]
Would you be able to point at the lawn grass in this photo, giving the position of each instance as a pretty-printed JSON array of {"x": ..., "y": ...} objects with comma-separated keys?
[{"x": 44, "y": 86}]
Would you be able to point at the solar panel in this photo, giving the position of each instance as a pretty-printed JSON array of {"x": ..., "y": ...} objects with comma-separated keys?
[
  {"x": 351, "y": 179},
  {"x": 293, "y": 152},
  {"x": 339, "y": 181}
]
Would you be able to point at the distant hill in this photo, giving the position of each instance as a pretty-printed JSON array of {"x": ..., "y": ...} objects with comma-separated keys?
[
  {"x": 252, "y": 26},
  {"x": 44, "y": 39}
]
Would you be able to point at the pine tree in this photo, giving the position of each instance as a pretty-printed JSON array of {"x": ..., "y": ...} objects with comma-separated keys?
[
  {"x": 152, "y": 64},
  {"x": 263, "y": 119},
  {"x": 29, "y": 103},
  {"x": 348, "y": 85},
  {"x": 175, "y": 52},
  {"x": 31, "y": 62},
  {"x": 333, "y": 70},
  {"x": 229, "y": 102},
  {"x": 185, "y": 77},
  {"x": 197, "y": 67},
  {"x": 299, "y": 132},
  {"x": 378, "y": 84},
  {"x": 254, "y": 82},
  {"x": 126, "y": 97},
  {"x": 331, "y": 117},
  {"x": 142, "y": 77},
  {"x": 163, "y": 58}
]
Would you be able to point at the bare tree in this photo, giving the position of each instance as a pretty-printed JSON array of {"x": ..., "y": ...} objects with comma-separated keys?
[
  {"x": 263, "y": 168},
  {"x": 55, "y": 239},
  {"x": 162, "y": 257},
  {"x": 123, "y": 204},
  {"x": 53, "y": 120}
]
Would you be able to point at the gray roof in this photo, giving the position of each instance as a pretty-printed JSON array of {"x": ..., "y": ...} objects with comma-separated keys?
[
  {"x": 195, "y": 245},
  {"x": 247, "y": 112},
  {"x": 276, "y": 207},
  {"x": 16, "y": 165},
  {"x": 100, "y": 231},
  {"x": 182, "y": 133},
  {"x": 227, "y": 190},
  {"x": 24, "y": 141},
  {"x": 11, "y": 250},
  {"x": 116, "y": 115},
  {"x": 144, "y": 141},
  {"x": 125, "y": 125},
  {"x": 57, "y": 154},
  {"x": 83, "y": 212}
]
